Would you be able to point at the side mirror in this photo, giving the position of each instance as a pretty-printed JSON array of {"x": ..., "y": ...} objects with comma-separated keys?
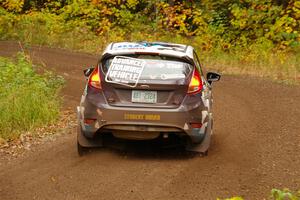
[
  {"x": 87, "y": 72},
  {"x": 212, "y": 77}
]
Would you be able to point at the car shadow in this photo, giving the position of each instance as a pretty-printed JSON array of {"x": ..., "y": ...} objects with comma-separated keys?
[{"x": 161, "y": 148}]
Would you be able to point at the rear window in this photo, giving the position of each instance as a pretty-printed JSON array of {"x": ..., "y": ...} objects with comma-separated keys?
[{"x": 158, "y": 67}]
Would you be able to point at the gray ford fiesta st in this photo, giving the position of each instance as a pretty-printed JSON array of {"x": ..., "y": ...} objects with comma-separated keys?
[{"x": 147, "y": 91}]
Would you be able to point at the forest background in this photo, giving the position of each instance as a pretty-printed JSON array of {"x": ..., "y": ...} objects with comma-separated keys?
[{"x": 257, "y": 37}]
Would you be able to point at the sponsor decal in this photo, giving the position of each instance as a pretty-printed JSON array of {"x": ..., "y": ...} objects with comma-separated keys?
[
  {"x": 167, "y": 76},
  {"x": 125, "y": 71},
  {"x": 172, "y": 76},
  {"x": 142, "y": 117},
  {"x": 168, "y": 65},
  {"x": 128, "y": 46}
]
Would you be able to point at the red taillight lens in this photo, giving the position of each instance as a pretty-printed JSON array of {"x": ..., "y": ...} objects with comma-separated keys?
[
  {"x": 195, "y": 85},
  {"x": 94, "y": 79},
  {"x": 89, "y": 121},
  {"x": 196, "y": 125}
]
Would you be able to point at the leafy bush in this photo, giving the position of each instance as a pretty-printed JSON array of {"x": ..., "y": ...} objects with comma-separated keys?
[
  {"x": 238, "y": 23},
  {"x": 27, "y": 99},
  {"x": 260, "y": 37}
]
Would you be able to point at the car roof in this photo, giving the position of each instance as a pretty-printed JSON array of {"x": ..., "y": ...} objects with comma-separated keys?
[{"x": 162, "y": 48}]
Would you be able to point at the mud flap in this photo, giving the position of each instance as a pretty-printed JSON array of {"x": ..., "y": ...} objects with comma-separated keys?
[
  {"x": 81, "y": 139},
  {"x": 85, "y": 142},
  {"x": 204, "y": 145}
]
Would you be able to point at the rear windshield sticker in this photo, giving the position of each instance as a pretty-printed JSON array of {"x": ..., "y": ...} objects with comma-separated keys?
[
  {"x": 128, "y": 46},
  {"x": 125, "y": 71},
  {"x": 164, "y": 65},
  {"x": 167, "y": 76},
  {"x": 172, "y": 76}
]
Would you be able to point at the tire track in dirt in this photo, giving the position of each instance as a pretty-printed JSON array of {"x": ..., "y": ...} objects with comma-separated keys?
[{"x": 256, "y": 147}]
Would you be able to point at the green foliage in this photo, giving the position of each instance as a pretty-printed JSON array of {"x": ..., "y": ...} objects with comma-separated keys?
[
  {"x": 252, "y": 20},
  {"x": 27, "y": 99},
  {"x": 250, "y": 36},
  {"x": 226, "y": 23},
  {"x": 13, "y": 5}
]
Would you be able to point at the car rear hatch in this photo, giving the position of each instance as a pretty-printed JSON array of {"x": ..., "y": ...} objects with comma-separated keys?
[{"x": 163, "y": 81}]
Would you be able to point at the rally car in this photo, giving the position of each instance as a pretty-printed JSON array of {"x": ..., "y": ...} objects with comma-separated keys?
[{"x": 147, "y": 91}]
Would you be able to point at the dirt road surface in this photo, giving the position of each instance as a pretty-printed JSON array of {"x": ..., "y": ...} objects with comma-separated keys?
[{"x": 256, "y": 147}]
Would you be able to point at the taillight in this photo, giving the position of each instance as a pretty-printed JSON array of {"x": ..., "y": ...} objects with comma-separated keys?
[
  {"x": 196, "y": 125},
  {"x": 195, "y": 85},
  {"x": 94, "y": 79},
  {"x": 89, "y": 121}
]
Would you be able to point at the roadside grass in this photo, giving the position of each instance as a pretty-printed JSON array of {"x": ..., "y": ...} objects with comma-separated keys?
[
  {"x": 258, "y": 59},
  {"x": 27, "y": 99},
  {"x": 281, "y": 67}
]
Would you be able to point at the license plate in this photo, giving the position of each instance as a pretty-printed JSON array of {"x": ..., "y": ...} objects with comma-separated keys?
[{"x": 140, "y": 96}]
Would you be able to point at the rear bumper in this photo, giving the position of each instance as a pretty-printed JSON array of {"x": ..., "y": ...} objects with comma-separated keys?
[{"x": 146, "y": 120}]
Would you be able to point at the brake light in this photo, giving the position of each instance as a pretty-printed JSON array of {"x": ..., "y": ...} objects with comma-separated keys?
[
  {"x": 94, "y": 79},
  {"x": 196, "y": 125},
  {"x": 195, "y": 85},
  {"x": 89, "y": 121}
]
